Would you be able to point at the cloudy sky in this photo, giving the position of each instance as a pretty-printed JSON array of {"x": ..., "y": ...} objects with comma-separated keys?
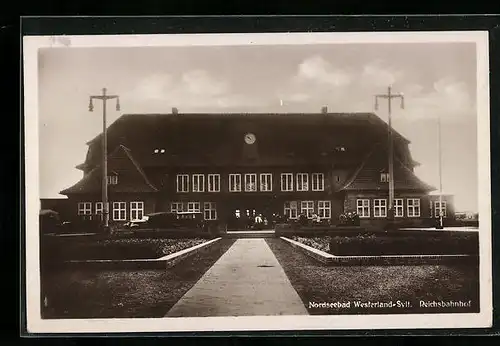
[{"x": 438, "y": 80}]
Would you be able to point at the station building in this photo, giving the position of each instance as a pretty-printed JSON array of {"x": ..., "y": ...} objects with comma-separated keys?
[{"x": 229, "y": 165}]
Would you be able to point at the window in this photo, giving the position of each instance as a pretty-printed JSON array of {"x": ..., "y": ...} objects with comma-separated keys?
[
  {"x": 286, "y": 182},
  {"x": 176, "y": 207},
  {"x": 213, "y": 183},
  {"x": 112, "y": 179},
  {"x": 136, "y": 210},
  {"x": 85, "y": 209},
  {"x": 98, "y": 209},
  {"x": 384, "y": 177},
  {"x": 363, "y": 207},
  {"x": 318, "y": 182},
  {"x": 325, "y": 209},
  {"x": 398, "y": 207},
  {"x": 198, "y": 183},
  {"x": 266, "y": 182},
  {"x": 302, "y": 182},
  {"x": 307, "y": 207},
  {"x": 194, "y": 207},
  {"x": 210, "y": 211},
  {"x": 182, "y": 183},
  {"x": 437, "y": 209},
  {"x": 119, "y": 211},
  {"x": 251, "y": 182},
  {"x": 234, "y": 182},
  {"x": 380, "y": 208},
  {"x": 291, "y": 210},
  {"x": 413, "y": 207}
]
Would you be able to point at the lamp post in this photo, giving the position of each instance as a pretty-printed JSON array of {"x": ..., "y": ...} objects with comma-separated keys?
[
  {"x": 104, "y": 97},
  {"x": 440, "y": 174},
  {"x": 389, "y": 97}
]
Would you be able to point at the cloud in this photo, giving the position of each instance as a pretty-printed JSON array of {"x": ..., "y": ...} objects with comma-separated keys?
[
  {"x": 200, "y": 82},
  {"x": 378, "y": 75},
  {"x": 317, "y": 69}
]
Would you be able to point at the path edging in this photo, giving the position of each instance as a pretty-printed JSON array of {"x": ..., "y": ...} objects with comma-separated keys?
[
  {"x": 330, "y": 259},
  {"x": 146, "y": 263}
]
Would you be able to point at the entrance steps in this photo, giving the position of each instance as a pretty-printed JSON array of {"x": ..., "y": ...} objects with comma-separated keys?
[{"x": 265, "y": 233}]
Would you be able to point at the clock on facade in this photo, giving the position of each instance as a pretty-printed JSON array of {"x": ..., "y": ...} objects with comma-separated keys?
[{"x": 250, "y": 138}]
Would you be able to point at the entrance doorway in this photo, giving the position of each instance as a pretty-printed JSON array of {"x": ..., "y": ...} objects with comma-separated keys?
[{"x": 248, "y": 217}]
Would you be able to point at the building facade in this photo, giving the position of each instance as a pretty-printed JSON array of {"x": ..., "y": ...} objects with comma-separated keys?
[{"x": 228, "y": 166}]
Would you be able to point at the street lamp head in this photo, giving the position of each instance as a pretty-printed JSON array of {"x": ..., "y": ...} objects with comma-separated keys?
[
  {"x": 91, "y": 106},
  {"x": 117, "y": 104},
  {"x": 376, "y": 103},
  {"x": 402, "y": 102}
]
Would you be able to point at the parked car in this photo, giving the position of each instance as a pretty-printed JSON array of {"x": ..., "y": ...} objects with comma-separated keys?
[
  {"x": 137, "y": 223},
  {"x": 181, "y": 220}
]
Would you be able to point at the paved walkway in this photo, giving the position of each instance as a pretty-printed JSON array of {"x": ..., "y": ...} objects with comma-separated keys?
[{"x": 246, "y": 281}]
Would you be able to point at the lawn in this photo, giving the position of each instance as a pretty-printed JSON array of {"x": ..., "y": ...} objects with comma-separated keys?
[
  {"x": 317, "y": 283},
  {"x": 123, "y": 293}
]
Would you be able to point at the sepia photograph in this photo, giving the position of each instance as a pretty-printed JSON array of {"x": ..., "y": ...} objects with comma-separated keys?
[{"x": 257, "y": 182}]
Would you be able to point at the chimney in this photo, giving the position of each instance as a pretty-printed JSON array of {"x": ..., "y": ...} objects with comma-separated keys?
[
  {"x": 175, "y": 111},
  {"x": 324, "y": 110}
]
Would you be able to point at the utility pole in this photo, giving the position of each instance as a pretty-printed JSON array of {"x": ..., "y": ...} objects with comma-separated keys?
[
  {"x": 440, "y": 175},
  {"x": 389, "y": 96},
  {"x": 104, "y": 97}
]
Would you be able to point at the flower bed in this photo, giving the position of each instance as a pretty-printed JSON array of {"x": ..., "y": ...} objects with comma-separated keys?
[
  {"x": 109, "y": 249},
  {"x": 386, "y": 244}
]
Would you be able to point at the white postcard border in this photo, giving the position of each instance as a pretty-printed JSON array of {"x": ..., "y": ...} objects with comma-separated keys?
[{"x": 35, "y": 324}]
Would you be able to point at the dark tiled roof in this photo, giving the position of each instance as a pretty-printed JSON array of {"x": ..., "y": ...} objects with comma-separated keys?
[
  {"x": 217, "y": 139},
  {"x": 367, "y": 176},
  {"x": 131, "y": 177}
]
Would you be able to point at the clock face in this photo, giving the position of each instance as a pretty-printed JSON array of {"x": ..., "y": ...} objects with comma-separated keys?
[{"x": 250, "y": 138}]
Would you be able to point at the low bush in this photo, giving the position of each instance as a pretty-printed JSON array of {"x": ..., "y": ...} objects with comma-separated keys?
[
  {"x": 109, "y": 249},
  {"x": 372, "y": 244}
]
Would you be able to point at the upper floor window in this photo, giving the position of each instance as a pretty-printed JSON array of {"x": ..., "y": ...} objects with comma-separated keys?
[
  {"x": 302, "y": 182},
  {"x": 112, "y": 179},
  {"x": 266, "y": 183},
  {"x": 198, "y": 183},
  {"x": 250, "y": 182},
  {"x": 384, "y": 177},
  {"x": 182, "y": 183},
  {"x": 234, "y": 182},
  {"x": 318, "y": 181},
  {"x": 213, "y": 183},
  {"x": 286, "y": 182}
]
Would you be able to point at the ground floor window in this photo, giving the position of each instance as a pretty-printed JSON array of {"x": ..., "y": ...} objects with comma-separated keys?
[
  {"x": 291, "y": 209},
  {"x": 438, "y": 208},
  {"x": 325, "y": 209},
  {"x": 363, "y": 207},
  {"x": 136, "y": 210},
  {"x": 99, "y": 210},
  {"x": 176, "y": 207},
  {"x": 413, "y": 207},
  {"x": 119, "y": 211},
  {"x": 210, "y": 211},
  {"x": 85, "y": 210},
  {"x": 193, "y": 207},
  {"x": 380, "y": 208},
  {"x": 307, "y": 208},
  {"x": 398, "y": 207}
]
